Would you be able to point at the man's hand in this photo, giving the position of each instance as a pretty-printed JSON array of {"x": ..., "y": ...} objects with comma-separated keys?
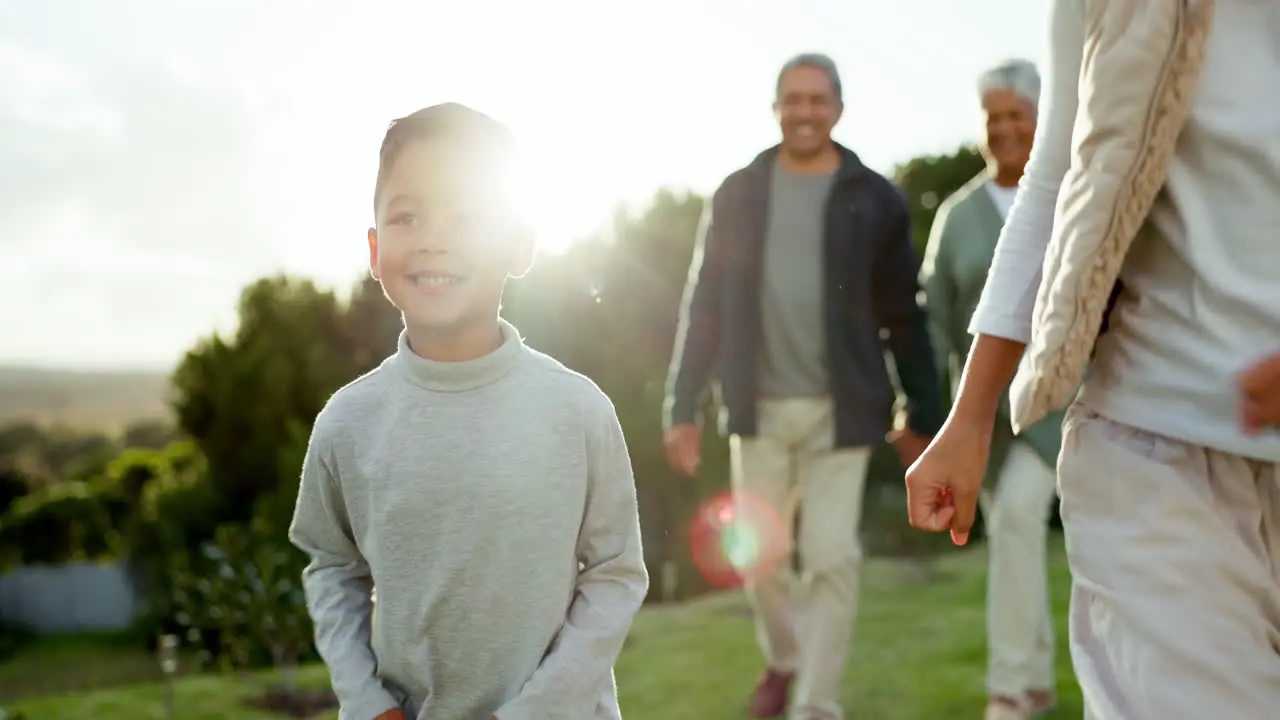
[
  {"x": 909, "y": 445},
  {"x": 393, "y": 714},
  {"x": 1260, "y": 391},
  {"x": 943, "y": 484},
  {"x": 684, "y": 448}
]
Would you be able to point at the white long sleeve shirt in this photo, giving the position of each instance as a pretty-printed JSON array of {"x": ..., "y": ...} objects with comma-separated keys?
[{"x": 1201, "y": 300}]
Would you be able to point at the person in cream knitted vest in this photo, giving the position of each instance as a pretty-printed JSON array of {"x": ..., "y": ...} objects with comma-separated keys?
[{"x": 1150, "y": 203}]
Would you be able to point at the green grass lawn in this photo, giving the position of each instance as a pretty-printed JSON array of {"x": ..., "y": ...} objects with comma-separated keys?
[{"x": 918, "y": 654}]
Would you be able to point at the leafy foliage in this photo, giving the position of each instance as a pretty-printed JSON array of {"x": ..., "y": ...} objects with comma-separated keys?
[
  {"x": 928, "y": 180},
  {"x": 66, "y": 521},
  {"x": 241, "y": 398},
  {"x": 240, "y": 599}
]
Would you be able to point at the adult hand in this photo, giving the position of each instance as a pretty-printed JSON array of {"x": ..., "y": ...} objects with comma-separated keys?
[
  {"x": 684, "y": 448},
  {"x": 393, "y": 714},
  {"x": 1260, "y": 390},
  {"x": 943, "y": 484},
  {"x": 909, "y": 445}
]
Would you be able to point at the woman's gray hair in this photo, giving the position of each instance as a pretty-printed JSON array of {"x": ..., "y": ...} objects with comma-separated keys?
[
  {"x": 1018, "y": 76},
  {"x": 818, "y": 61}
]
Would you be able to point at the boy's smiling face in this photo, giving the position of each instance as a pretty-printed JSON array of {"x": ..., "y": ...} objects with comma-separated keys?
[{"x": 448, "y": 236}]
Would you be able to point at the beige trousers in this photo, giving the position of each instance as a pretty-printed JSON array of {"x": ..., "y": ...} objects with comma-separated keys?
[
  {"x": 1020, "y": 632},
  {"x": 804, "y": 625},
  {"x": 1175, "y": 558}
]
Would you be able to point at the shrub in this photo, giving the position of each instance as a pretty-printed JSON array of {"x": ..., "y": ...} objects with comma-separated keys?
[
  {"x": 14, "y": 484},
  {"x": 230, "y": 589},
  {"x": 240, "y": 599},
  {"x": 59, "y": 523},
  {"x": 177, "y": 509},
  {"x": 12, "y": 639}
]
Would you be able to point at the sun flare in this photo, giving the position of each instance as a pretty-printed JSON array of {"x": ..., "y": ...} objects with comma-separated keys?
[{"x": 563, "y": 208}]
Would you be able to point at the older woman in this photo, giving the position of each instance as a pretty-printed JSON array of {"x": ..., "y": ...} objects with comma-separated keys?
[
  {"x": 1143, "y": 247},
  {"x": 1020, "y": 488}
]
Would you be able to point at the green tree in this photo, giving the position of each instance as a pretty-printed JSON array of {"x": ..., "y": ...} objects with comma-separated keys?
[
  {"x": 930, "y": 179},
  {"x": 373, "y": 325},
  {"x": 245, "y": 398}
]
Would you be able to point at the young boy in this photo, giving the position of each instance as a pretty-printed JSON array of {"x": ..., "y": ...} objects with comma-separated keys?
[{"x": 482, "y": 487}]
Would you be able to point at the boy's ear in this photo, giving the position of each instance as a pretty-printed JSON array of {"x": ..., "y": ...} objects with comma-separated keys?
[
  {"x": 526, "y": 249},
  {"x": 373, "y": 254}
]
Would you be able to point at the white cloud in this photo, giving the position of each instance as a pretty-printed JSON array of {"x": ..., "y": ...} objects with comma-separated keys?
[{"x": 134, "y": 204}]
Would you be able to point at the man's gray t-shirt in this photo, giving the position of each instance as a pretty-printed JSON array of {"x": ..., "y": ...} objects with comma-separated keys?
[{"x": 793, "y": 358}]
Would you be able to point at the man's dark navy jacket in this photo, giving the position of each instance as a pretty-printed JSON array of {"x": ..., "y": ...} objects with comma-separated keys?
[{"x": 870, "y": 285}]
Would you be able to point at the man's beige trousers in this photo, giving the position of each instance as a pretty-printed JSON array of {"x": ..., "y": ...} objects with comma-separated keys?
[
  {"x": 1175, "y": 557},
  {"x": 804, "y": 625},
  {"x": 1020, "y": 629}
]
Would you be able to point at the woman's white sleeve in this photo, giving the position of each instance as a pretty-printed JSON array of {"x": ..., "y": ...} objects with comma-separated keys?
[{"x": 1008, "y": 299}]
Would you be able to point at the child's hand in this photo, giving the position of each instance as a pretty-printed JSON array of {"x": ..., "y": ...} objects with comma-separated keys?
[{"x": 1260, "y": 390}]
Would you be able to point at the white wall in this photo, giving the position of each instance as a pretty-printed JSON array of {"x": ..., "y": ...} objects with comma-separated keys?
[{"x": 74, "y": 597}]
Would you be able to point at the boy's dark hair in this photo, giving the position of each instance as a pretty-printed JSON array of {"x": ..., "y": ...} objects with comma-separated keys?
[{"x": 449, "y": 119}]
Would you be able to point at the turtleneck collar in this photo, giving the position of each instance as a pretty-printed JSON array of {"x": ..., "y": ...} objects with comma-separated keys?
[{"x": 465, "y": 375}]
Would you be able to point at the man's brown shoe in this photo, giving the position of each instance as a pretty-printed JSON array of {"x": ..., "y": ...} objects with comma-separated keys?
[
  {"x": 770, "y": 697},
  {"x": 1042, "y": 701}
]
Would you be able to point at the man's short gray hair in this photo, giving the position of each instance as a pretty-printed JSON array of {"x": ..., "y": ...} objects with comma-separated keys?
[
  {"x": 814, "y": 60},
  {"x": 1018, "y": 76}
]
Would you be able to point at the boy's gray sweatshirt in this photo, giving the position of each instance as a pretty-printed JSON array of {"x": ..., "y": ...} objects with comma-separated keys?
[{"x": 492, "y": 504}]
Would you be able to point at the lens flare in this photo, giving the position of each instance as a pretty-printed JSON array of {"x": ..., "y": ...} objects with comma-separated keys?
[{"x": 737, "y": 538}]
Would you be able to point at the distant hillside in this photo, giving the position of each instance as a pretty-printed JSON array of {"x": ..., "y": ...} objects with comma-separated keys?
[{"x": 83, "y": 399}]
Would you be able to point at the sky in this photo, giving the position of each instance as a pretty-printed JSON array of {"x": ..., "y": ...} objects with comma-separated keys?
[{"x": 158, "y": 155}]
